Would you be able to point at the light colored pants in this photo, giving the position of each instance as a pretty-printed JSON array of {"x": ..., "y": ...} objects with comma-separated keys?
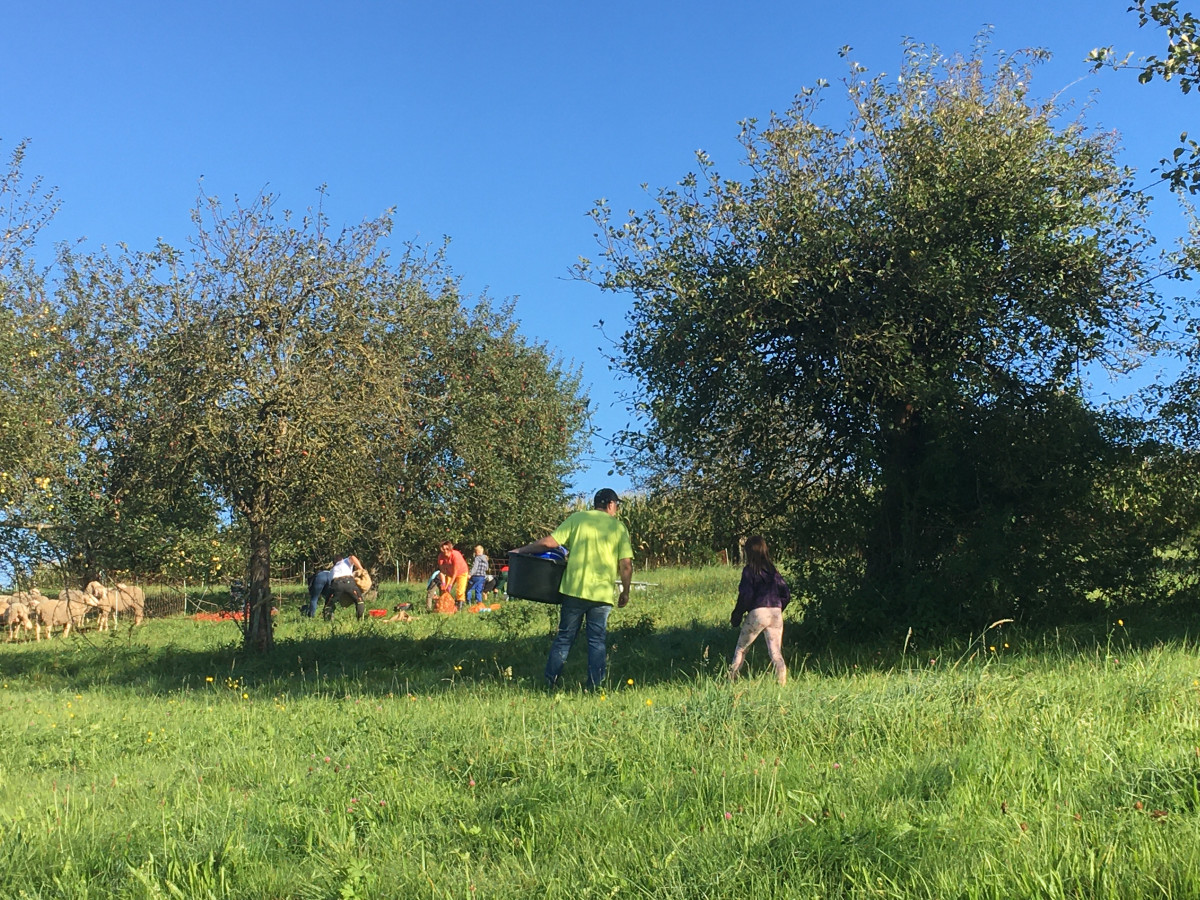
[{"x": 768, "y": 622}]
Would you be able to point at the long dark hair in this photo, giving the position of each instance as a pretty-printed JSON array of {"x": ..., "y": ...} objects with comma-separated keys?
[{"x": 758, "y": 557}]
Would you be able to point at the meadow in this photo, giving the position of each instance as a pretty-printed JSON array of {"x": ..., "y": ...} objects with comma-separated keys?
[{"x": 426, "y": 759}]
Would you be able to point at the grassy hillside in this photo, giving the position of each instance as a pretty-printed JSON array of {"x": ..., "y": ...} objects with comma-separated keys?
[{"x": 426, "y": 760}]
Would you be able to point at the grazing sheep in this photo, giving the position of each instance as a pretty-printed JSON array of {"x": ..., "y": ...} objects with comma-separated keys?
[
  {"x": 15, "y": 616},
  {"x": 103, "y": 601},
  {"x": 79, "y": 604},
  {"x": 121, "y": 599},
  {"x": 29, "y": 597},
  {"x": 52, "y": 613},
  {"x": 67, "y": 611},
  {"x": 76, "y": 598},
  {"x": 131, "y": 598}
]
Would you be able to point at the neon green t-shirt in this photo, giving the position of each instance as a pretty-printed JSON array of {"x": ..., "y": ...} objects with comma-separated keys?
[{"x": 596, "y": 542}]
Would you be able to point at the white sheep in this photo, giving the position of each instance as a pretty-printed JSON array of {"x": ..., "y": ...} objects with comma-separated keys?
[
  {"x": 31, "y": 596},
  {"x": 130, "y": 598},
  {"x": 102, "y": 599},
  {"x": 79, "y": 604},
  {"x": 121, "y": 598},
  {"x": 67, "y": 611},
  {"x": 29, "y": 600},
  {"x": 16, "y": 616},
  {"x": 51, "y": 613}
]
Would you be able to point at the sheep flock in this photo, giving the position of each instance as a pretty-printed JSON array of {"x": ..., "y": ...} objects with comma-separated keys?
[{"x": 31, "y": 610}]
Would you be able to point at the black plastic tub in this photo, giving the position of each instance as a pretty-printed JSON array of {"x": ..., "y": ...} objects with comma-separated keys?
[{"x": 535, "y": 577}]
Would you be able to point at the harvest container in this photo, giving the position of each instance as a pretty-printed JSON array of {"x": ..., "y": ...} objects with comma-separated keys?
[{"x": 535, "y": 577}]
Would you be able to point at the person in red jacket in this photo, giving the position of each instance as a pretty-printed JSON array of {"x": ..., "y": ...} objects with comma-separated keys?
[{"x": 763, "y": 595}]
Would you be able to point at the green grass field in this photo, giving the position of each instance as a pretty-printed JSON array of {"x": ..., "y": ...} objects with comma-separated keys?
[{"x": 426, "y": 760}]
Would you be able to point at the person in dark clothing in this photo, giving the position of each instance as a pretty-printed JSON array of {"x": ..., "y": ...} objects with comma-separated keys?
[
  {"x": 344, "y": 587},
  {"x": 763, "y": 595},
  {"x": 318, "y": 587}
]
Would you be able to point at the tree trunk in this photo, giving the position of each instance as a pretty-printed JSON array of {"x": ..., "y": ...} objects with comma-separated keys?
[
  {"x": 258, "y": 627},
  {"x": 898, "y": 543}
]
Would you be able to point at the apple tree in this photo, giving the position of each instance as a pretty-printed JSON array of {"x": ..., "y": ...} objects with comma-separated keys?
[
  {"x": 300, "y": 373},
  {"x": 880, "y": 331}
]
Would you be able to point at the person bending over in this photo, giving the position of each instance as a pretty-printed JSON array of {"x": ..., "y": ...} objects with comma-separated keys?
[{"x": 343, "y": 588}]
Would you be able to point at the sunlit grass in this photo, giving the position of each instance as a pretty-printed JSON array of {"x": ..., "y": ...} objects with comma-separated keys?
[{"x": 426, "y": 760}]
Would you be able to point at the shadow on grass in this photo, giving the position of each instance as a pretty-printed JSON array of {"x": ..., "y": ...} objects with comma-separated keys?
[
  {"x": 366, "y": 657},
  {"x": 508, "y": 652}
]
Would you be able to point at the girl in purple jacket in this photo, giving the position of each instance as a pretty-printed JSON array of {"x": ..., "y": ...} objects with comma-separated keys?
[{"x": 763, "y": 595}]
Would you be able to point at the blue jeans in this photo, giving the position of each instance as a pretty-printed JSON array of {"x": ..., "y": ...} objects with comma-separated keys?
[
  {"x": 475, "y": 587},
  {"x": 573, "y": 613},
  {"x": 319, "y": 586}
]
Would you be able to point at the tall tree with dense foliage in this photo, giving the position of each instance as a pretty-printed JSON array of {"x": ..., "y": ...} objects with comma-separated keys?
[
  {"x": 1176, "y": 405},
  {"x": 31, "y": 459},
  {"x": 880, "y": 329},
  {"x": 61, "y": 490},
  {"x": 301, "y": 374}
]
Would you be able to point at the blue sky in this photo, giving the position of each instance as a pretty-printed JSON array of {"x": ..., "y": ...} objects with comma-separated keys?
[{"x": 497, "y": 125}]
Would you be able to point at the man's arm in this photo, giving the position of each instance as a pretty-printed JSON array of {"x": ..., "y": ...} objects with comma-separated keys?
[
  {"x": 625, "y": 570},
  {"x": 541, "y": 545}
]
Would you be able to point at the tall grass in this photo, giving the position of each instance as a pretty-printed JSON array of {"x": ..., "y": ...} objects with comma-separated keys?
[{"x": 427, "y": 760}]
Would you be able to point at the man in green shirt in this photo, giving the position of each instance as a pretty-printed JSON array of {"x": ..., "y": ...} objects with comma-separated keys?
[{"x": 599, "y": 552}]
